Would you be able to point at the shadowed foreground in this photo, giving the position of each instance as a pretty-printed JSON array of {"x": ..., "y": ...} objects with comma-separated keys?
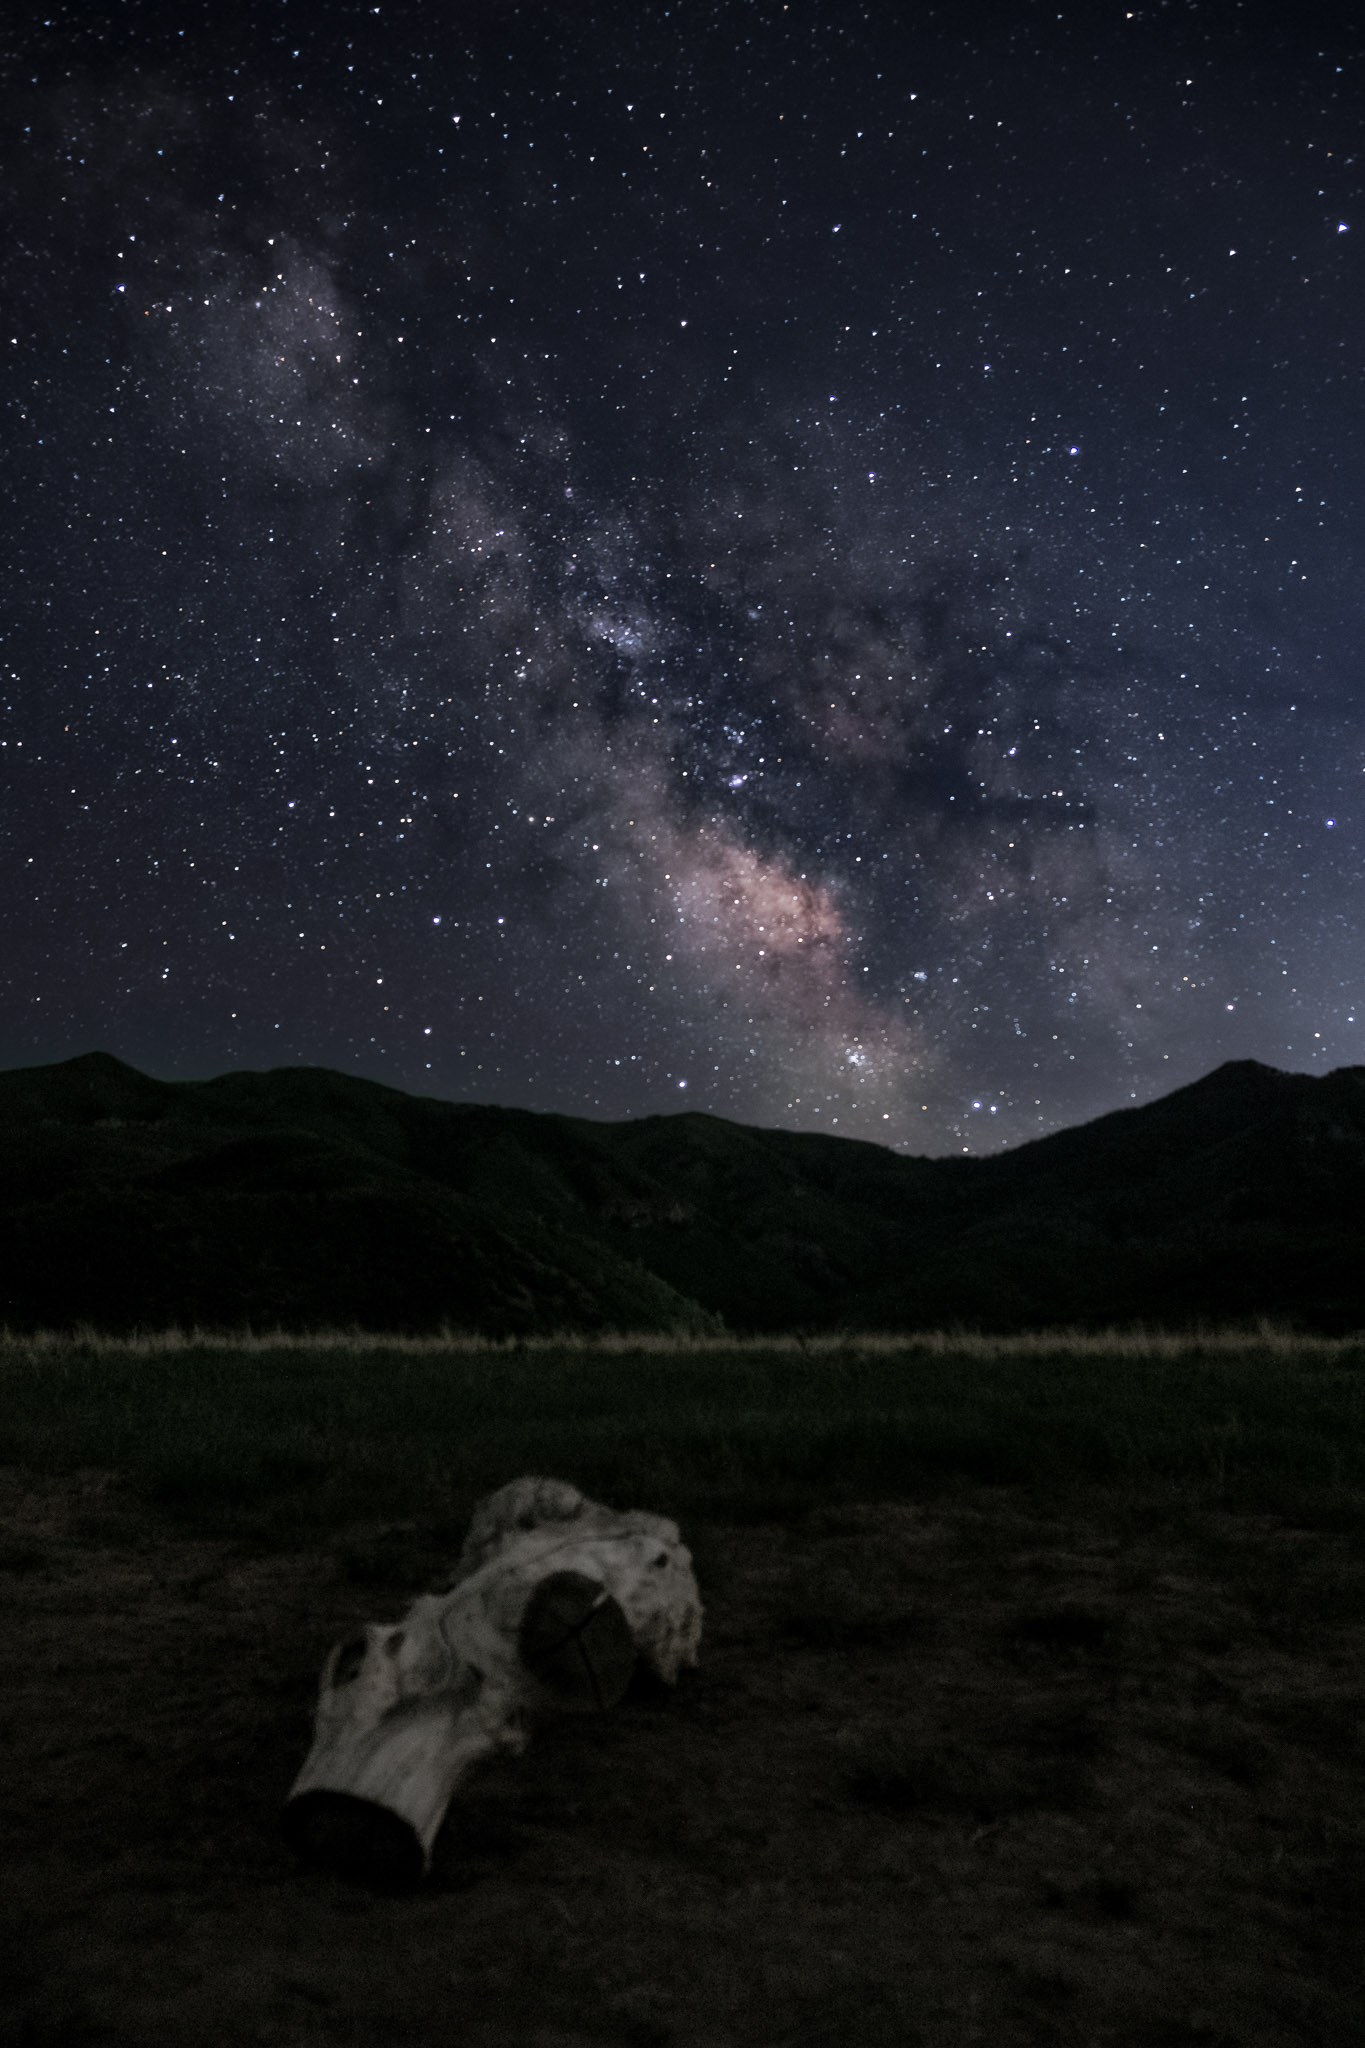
[
  {"x": 963, "y": 1761},
  {"x": 970, "y": 1772}
]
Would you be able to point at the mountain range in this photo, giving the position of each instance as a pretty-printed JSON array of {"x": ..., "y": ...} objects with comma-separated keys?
[{"x": 303, "y": 1198}]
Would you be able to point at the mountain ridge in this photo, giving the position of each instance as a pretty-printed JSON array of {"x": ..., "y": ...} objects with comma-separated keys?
[{"x": 303, "y": 1197}]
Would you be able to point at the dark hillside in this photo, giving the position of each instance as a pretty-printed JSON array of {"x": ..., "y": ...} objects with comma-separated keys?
[
  {"x": 304, "y": 1197},
  {"x": 773, "y": 1229},
  {"x": 1242, "y": 1194},
  {"x": 300, "y": 1198}
]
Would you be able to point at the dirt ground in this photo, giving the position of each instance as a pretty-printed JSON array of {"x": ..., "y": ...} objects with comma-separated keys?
[{"x": 972, "y": 1771}]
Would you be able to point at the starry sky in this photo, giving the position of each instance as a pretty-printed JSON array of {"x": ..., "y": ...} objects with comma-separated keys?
[{"x": 796, "y": 560}]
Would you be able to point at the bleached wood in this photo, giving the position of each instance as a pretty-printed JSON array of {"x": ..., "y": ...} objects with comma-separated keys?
[{"x": 405, "y": 1712}]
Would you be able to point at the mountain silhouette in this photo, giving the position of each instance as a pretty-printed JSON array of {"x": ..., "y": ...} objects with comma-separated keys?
[{"x": 303, "y": 1198}]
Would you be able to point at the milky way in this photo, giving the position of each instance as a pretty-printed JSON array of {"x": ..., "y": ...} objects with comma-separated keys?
[{"x": 748, "y": 558}]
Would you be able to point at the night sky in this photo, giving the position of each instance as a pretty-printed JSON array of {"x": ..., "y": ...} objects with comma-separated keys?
[{"x": 802, "y": 561}]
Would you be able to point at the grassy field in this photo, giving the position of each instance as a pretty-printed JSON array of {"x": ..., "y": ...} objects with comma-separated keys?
[
  {"x": 1030, "y": 1707},
  {"x": 276, "y": 1436}
]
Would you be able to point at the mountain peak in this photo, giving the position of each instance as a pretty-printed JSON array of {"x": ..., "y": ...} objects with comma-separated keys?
[
  {"x": 1242, "y": 1070},
  {"x": 95, "y": 1064}
]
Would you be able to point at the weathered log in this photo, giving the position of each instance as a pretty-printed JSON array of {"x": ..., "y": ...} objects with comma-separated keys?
[{"x": 553, "y": 1600}]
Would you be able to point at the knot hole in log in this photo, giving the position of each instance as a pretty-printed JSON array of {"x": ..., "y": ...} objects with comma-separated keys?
[{"x": 350, "y": 1657}]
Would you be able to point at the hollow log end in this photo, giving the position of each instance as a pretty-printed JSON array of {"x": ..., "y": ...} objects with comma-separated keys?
[{"x": 355, "y": 1839}]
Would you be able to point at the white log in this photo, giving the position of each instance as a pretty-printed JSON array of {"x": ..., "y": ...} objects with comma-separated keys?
[{"x": 553, "y": 1598}]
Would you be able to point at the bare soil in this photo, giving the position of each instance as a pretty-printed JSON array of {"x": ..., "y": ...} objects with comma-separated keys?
[{"x": 978, "y": 1770}]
